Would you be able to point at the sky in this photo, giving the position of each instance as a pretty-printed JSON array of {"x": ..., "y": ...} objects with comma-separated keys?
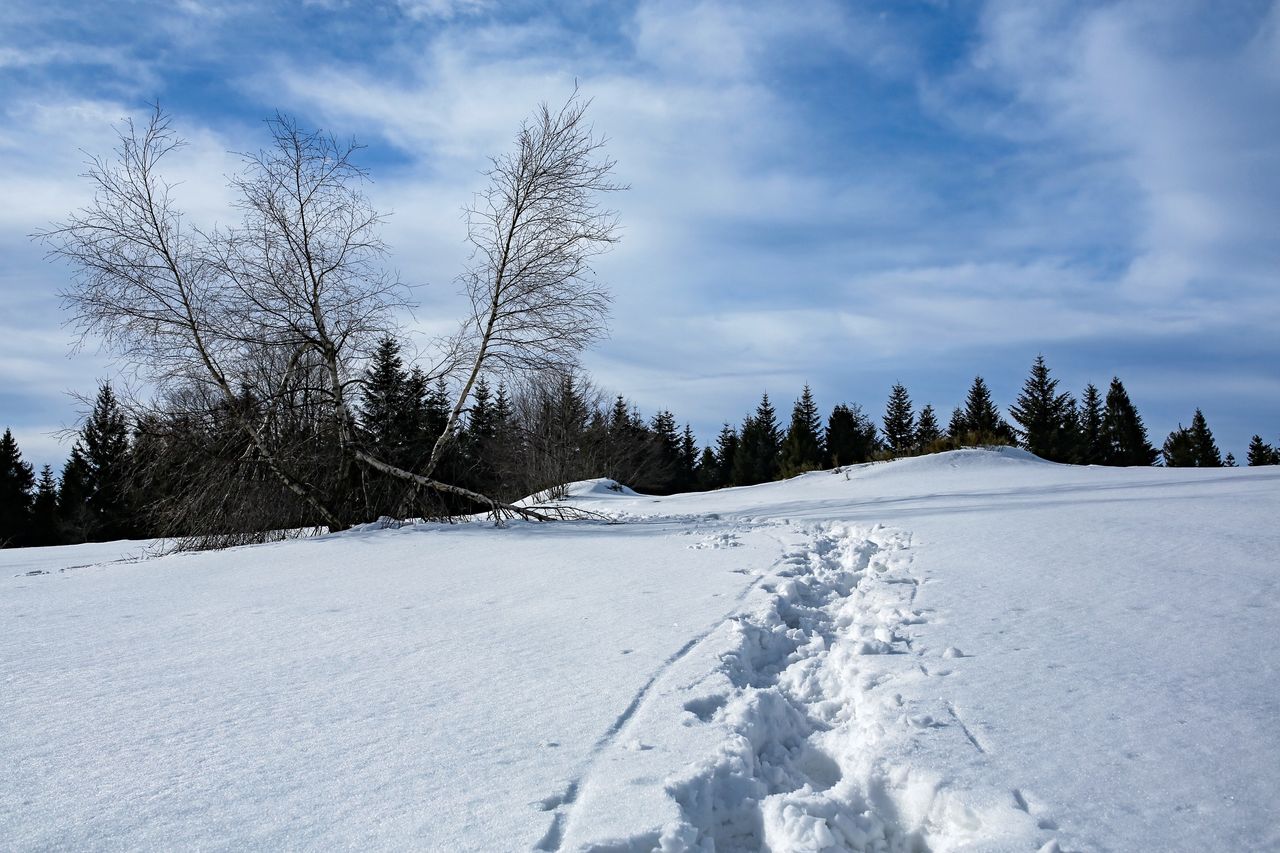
[{"x": 847, "y": 195}]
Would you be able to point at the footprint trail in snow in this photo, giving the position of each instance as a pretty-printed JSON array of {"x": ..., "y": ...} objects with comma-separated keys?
[{"x": 794, "y": 708}]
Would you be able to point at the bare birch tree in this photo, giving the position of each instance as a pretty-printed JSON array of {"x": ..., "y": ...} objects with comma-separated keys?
[
  {"x": 299, "y": 285},
  {"x": 534, "y": 298}
]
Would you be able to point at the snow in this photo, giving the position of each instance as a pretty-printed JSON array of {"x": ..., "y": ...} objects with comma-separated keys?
[{"x": 975, "y": 650}]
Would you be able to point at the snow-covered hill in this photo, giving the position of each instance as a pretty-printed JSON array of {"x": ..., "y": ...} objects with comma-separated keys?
[{"x": 975, "y": 650}]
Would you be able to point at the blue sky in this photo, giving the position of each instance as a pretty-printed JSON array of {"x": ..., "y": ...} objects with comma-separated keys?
[{"x": 844, "y": 194}]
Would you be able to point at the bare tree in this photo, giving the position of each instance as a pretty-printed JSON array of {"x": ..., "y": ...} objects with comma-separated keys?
[
  {"x": 535, "y": 302},
  {"x": 280, "y": 308}
]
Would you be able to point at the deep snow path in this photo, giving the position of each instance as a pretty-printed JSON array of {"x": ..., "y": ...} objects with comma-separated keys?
[{"x": 800, "y": 709}]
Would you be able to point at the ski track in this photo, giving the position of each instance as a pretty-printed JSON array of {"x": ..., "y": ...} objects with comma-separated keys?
[
  {"x": 563, "y": 803},
  {"x": 811, "y": 719}
]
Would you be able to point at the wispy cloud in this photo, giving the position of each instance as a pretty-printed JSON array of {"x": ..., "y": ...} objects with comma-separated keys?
[{"x": 848, "y": 194}]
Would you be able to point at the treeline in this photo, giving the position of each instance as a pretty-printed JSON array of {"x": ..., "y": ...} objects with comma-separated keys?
[{"x": 182, "y": 469}]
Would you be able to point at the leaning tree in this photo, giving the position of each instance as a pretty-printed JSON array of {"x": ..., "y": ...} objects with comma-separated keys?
[{"x": 268, "y": 321}]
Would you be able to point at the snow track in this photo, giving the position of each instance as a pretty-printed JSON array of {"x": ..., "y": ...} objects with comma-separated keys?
[
  {"x": 777, "y": 782},
  {"x": 808, "y": 733}
]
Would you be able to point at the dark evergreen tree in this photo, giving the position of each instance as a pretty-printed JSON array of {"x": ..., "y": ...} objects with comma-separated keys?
[
  {"x": 928, "y": 433},
  {"x": 1045, "y": 416},
  {"x": 105, "y": 439},
  {"x": 1230, "y": 461},
  {"x": 1124, "y": 436},
  {"x": 628, "y": 454},
  {"x": 899, "y": 422},
  {"x": 45, "y": 529},
  {"x": 957, "y": 428},
  {"x": 1261, "y": 453},
  {"x": 1090, "y": 447},
  {"x": 851, "y": 436},
  {"x": 1207, "y": 454},
  {"x": 708, "y": 471},
  {"x": 382, "y": 401},
  {"x": 687, "y": 476},
  {"x": 756, "y": 460},
  {"x": 16, "y": 483},
  {"x": 726, "y": 453},
  {"x": 1179, "y": 449},
  {"x": 802, "y": 449},
  {"x": 667, "y": 456},
  {"x": 982, "y": 419},
  {"x": 74, "y": 488},
  {"x": 478, "y": 437}
]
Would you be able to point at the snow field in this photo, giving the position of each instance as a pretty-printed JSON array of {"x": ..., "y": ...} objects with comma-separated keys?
[{"x": 972, "y": 651}]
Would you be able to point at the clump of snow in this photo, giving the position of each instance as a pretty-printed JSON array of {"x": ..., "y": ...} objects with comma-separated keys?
[{"x": 601, "y": 487}]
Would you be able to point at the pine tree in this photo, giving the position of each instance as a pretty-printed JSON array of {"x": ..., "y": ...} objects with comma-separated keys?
[
  {"x": 44, "y": 510},
  {"x": 478, "y": 437},
  {"x": 756, "y": 460},
  {"x": 802, "y": 449},
  {"x": 1229, "y": 461},
  {"x": 1206, "y": 449},
  {"x": 105, "y": 438},
  {"x": 1261, "y": 453},
  {"x": 1124, "y": 436},
  {"x": 957, "y": 427},
  {"x": 16, "y": 482},
  {"x": 74, "y": 488},
  {"x": 851, "y": 436},
  {"x": 1091, "y": 450},
  {"x": 665, "y": 477},
  {"x": 385, "y": 410},
  {"x": 899, "y": 422},
  {"x": 726, "y": 453},
  {"x": 688, "y": 473},
  {"x": 982, "y": 418},
  {"x": 1179, "y": 449},
  {"x": 1043, "y": 415},
  {"x": 708, "y": 471},
  {"x": 928, "y": 433}
]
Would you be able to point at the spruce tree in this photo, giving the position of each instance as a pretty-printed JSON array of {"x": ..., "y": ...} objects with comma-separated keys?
[
  {"x": 665, "y": 476},
  {"x": 1207, "y": 454},
  {"x": 756, "y": 460},
  {"x": 74, "y": 487},
  {"x": 982, "y": 418},
  {"x": 802, "y": 449},
  {"x": 957, "y": 427},
  {"x": 688, "y": 472},
  {"x": 1124, "y": 436},
  {"x": 726, "y": 453},
  {"x": 899, "y": 422},
  {"x": 1043, "y": 415},
  {"x": 708, "y": 471},
  {"x": 1179, "y": 450},
  {"x": 105, "y": 438},
  {"x": 1261, "y": 453},
  {"x": 1091, "y": 450},
  {"x": 45, "y": 529},
  {"x": 1229, "y": 461},
  {"x": 393, "y": 409},
  {"x": 928, "y": 433},
  {"x": 16, "y": 482},
  {"x": 851, "y": 436}
]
